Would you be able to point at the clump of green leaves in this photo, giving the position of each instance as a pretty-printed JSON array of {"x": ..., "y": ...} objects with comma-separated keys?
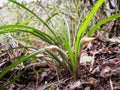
[{"x": 63, "y": 47}]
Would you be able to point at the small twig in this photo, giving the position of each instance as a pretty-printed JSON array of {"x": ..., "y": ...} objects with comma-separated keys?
[
  {"x": 92, "y": 63},
  {"x": 111, "y": 85}
]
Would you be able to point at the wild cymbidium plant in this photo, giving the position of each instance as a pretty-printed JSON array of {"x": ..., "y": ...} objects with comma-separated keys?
[{"x": 67, "y": 47}]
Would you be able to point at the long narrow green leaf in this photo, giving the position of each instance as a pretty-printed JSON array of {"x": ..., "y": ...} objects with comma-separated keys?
[
  {"x": 41, "y": 36},
  {"x": 84, "y": 26},
  {"x": 10, "y": 82},
  {"x": 36, "y": 32},
  {"x": 115, "y": 16},
  {"x": 77, "y": 8},
  {"x": 68, "y": 48},
  {"x": 67, "y": 34},
  {"x": 21, "y": 30},
  {"x": 24, "y": 58},
  {"x": 53, "y": 15}
]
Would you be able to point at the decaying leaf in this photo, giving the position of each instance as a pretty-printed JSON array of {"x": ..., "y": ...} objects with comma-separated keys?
[
  {"x": 87, "y": 39},
  {"x": 86, "y": 59}
]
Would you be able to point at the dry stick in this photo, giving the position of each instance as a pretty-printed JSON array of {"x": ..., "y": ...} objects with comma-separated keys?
[
  {"x": 92, "y": 63},
  {"x": 111, "y": 85}
]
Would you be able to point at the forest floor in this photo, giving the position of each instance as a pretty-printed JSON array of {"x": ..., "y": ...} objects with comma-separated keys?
[{"x": 103, "y": 73}]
